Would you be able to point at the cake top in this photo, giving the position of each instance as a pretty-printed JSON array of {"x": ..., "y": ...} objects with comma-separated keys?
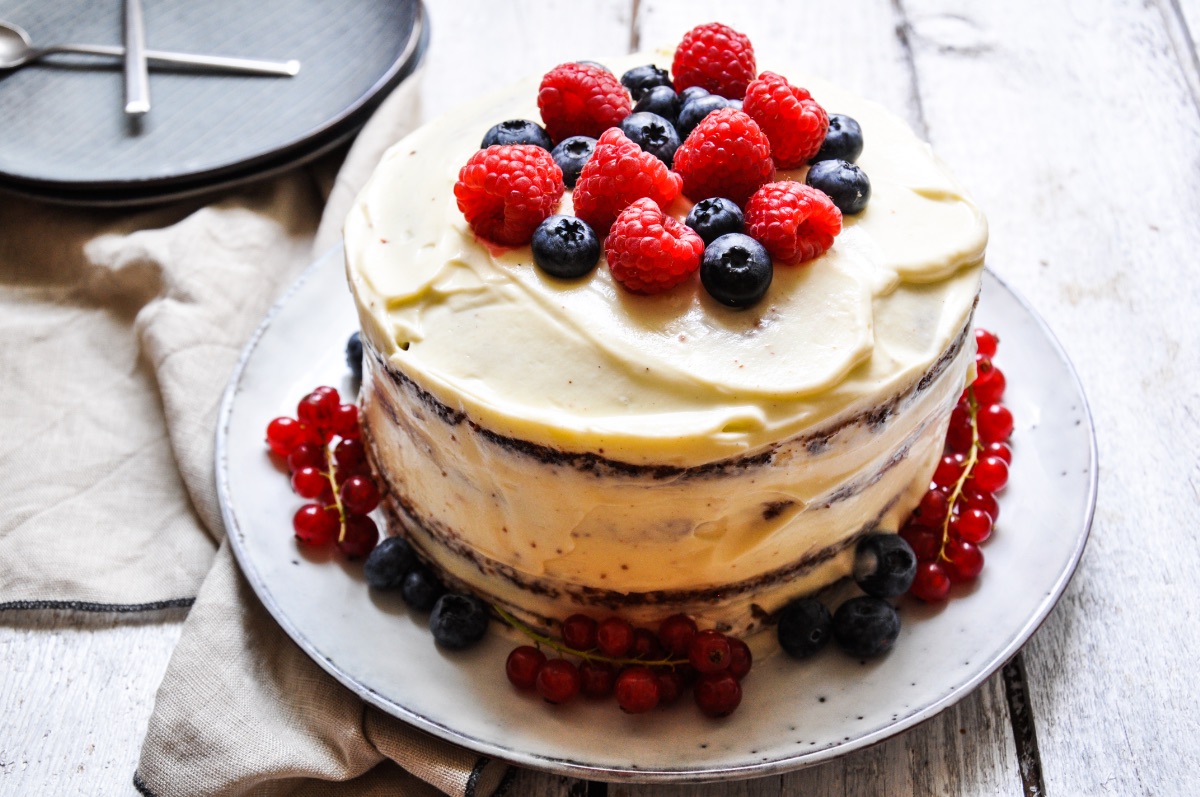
[{"x": 677, "y": 377}]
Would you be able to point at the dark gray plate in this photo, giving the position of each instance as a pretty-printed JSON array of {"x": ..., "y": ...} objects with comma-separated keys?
[{"x": 64, "y": 132}]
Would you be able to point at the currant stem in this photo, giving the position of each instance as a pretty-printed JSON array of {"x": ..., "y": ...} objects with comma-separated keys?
[
  {"x": 972, "y": 458},
  {"x": 331, "y": 474},
  {"x": 542, "y": 639}
]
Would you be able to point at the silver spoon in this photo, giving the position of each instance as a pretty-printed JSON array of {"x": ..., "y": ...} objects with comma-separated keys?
[{"x": 16, "y": 51}]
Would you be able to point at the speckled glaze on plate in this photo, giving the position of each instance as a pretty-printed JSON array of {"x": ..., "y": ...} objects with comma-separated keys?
[{"x": 793, "y": 714}]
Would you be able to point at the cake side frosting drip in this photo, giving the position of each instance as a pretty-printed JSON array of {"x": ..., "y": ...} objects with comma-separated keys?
[{"x": 674, "y": 378}]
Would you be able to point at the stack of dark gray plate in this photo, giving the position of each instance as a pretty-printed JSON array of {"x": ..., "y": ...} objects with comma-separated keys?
[{"x": 64, "y": 136}]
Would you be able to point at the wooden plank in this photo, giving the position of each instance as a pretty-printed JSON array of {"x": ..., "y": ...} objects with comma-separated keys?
[{"x": 1077, "y": 132}]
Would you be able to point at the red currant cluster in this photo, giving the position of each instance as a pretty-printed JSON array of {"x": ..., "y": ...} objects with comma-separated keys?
[
  {"x": 643, "y": 669},
  {"x": 328, "y": 465},
  {"x": 958, "y": 512}
]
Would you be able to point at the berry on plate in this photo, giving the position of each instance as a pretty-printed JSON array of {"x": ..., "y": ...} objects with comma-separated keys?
[
  {"x": 845, "y": 183},
  {"x": 458, "y": 621},
  {"x": 843, "y": 140},
  {"x": 516, "y": 131},
  {"x": 653, "y": 134},
  {"x": 693, "y": 111},
  {"x": 661, "y": 100},
  {"x": 354, "y": 355},
  {"x": 793, "y": 121},
  {"x": 804, "y": 627},
  {"x": 649, "y": 251},
  {"x": 726, "y": 155},
  {"x": 866, "y": 626},
  {"x": 884, "y": 565},
  {"x": 389, "y": 563},
  {"x": 421, "y": 589},
  {"x": 641, "y": 79},
  {"x": 715, "y": 57},
  {"x": 565, "y": 247},
  {"x": 794, "y": 221},
  {"x": 736, "y": 270},
  {"x": 581, "y": 100},
  {"x": 505, "y": 192},
  {"x": 618, "y": 173},
  {"x": 570, "y": 155}
]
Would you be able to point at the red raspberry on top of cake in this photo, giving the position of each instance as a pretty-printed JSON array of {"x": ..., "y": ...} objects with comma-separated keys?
[
  {"x": 793, "y": 121},
  {"x": 581, "y": 100},
  {"x": 650, "y": 252},
  {"x": 726, "y": 155},
  {"x": 618, "y": 173},
  {"x": 795, "y": 222},
  {"x": 505, "y": 192},
  {"x": 715, "y": 57}
]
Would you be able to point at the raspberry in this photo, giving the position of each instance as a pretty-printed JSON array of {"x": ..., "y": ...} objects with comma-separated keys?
[
  {"x": 794, "y": 221},
  {"x": 505, "y": 192},
  {"x": 790, "y": 117},
  {"x": 726, "y": 155},
  {"x": 581, "y": 100},
  {"x": 715, "y": 57},
  {"x": 618, "y": 173},
  {"x": 650, "y": 252}
]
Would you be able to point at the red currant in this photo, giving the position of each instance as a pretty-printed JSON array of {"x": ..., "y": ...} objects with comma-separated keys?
[
  {"x": 972, "y": 525},
  {"x": 717, "y": 693},
  {"x": 931, "y": 583},
  {"x": 597, "y": 678},
  {"x": 949, "y": 470},
  {"x": 326, "y": 390},
  {"x": 284, "y": 434},
  {"x": 309, "y": 482},
  {"x": 932, "y": 509},
  {"x": 523, "y": 666},
  {"x": 637, "y": 689},
  {"x": 998, "y": 449},
  {"x": 306, "y": 455},
  {"x": 317, "y": 408},
  {"x": 740, "y": 658},
  {"x": 315, "y": 525},
  {"x": 360, "y": 495},
  {"x": 964, "y": 561},
  {"x": 670, "y": 685},
  {"x": 925, "y": 542},
  {"x": 995, "y": 423},
  {"x": 557, "y": 681},
  {"x": 974, "y": 498},
  {"x": 709, "y": 651},
  {"x": 983, "y": 368},
  {"x": 579, "y": 632},
  {"x": 350, "y": 454},
  {"x": 676, "y": 633},
  {"x": 990, "y": 474},
  {"x": 646, "y": 646},
  {"x": 990, "y": 390},
  {"x": 359, "y": 537},
  {"x": 959, "y": 435},
  {"x": 344, "y": 421},
  {"x": 985, "y": 343},
  {"x": 614, "y": 637}
]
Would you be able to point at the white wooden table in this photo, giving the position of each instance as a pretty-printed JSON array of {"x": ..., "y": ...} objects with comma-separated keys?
[{"x": 1077, "y": 127}]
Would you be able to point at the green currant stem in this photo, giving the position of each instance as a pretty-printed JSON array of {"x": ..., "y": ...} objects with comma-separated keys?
[
  {"x": 587, "y": 655},
  {"x": 972, "y": 458},
  {"x": 331, "y": 474}
]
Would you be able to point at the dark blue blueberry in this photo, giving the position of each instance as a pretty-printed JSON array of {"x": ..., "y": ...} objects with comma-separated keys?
[
  {"x": 565, "y": 247},
  {"x": 596, "y": 64},
  {"x": 642, "y": 78},
  {"x": 661, "y": 100},
  {"x": 735, "y": 104},
  {"x": 691, "y": 93},
  {"x": 571, "y": 154},
  {"x": 694, "y": 111},
  {"x": 421, "y": 589},
  {"x": 713, "y": 217},
  {"x": 804, "y": 627},
  {"x": 389, "y": 563},
  {"x": 354, "y": 355},
  {"x": 653, "y": 134},
  {"x": 736, "y": 270},
  {"x": 866, "y": 626},
  {"x": 458, "y": 621},
  {"x": 884, "y": 565},
  {"x": 843, "y": 140},
  {"x": 518, "y": 131},
  {"x": 846, "y": 184}
]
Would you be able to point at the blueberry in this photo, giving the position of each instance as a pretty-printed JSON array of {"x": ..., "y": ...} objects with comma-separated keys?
[
  {"x": 713, "y": 217},
  {"x": 653, "y": 134},
  {"x": 354, "y": 355},
  {"x": 565, "y": 247},
  {"x": 846, "y": 184},
  {"x": 517, "y": 131},
  {"x": 736, "y": 270},
  {"x": 804, "y": 627},
  {"x": 735, "y": 104},
  {"x": 389, "y": 563},
  {"x": 571, "y": 154},
  {"x": 641, "y": 78},
  {"x": 884, "y": 565},
  {"x": 843, "y": 140},
  {"x": 694, "y": 111},
  {"x": 421, "y": 589},
  {"x": 691, "y": 93},
  {"x": 458, "y": 621},
  {"x": 866, "y": 626},
  {"x": 661, "y": 100}
]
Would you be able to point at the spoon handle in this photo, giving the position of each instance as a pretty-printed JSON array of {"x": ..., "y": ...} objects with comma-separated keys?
[
  {"x": 217, "y": 63},
  {"x": 137, "y": 78}
]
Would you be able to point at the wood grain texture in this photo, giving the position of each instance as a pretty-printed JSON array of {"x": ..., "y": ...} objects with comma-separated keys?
[{"x": 1077, "y": 132}]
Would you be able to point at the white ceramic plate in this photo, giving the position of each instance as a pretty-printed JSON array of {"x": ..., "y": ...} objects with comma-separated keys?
[{"x": 793, "y": 714}]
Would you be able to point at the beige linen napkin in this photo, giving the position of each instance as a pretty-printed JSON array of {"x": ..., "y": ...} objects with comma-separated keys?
[{"x": 118, "y": 333}]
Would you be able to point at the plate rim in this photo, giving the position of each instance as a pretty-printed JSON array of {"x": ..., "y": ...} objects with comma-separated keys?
[{"x": 664, "y": 775}]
